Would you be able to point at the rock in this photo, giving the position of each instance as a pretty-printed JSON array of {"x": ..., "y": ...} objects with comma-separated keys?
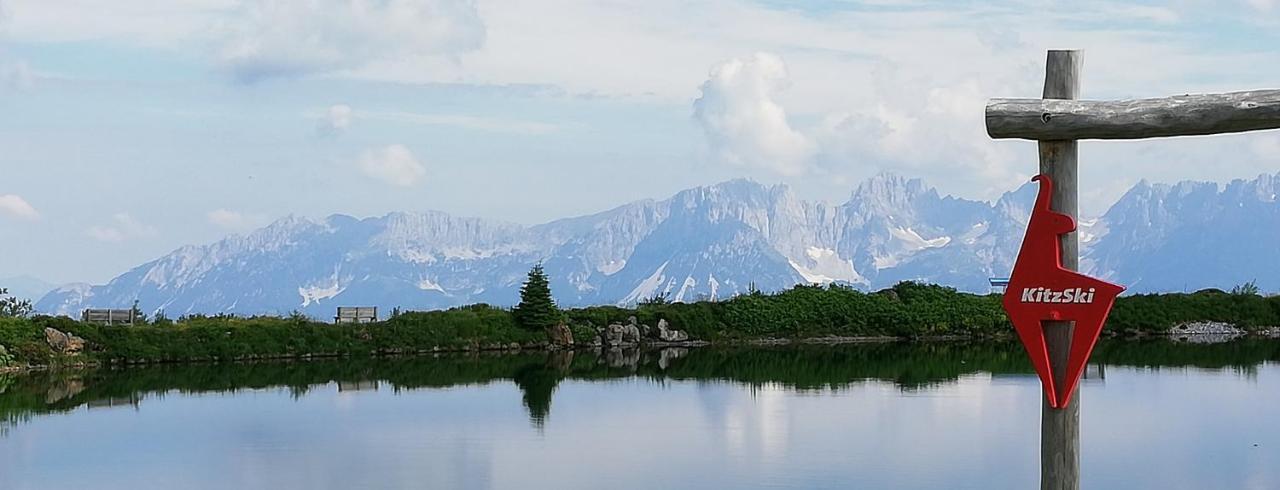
[
  {"x": 613, "y": 334},
  {"x": 631, "y": 334},
  {"x": 560, "y": 336},
  {"x": 63, "y": 342},
  {"x": 666, "y": 334},
  {"x": 631, "y": 320},
  {"x": 645, "y": 330},
  {"x": 598, "y": 338},
  {"x": 1207, "y": 328}
]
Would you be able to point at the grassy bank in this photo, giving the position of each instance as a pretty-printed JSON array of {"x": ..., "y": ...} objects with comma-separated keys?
[{"x": 907, "y": 310}]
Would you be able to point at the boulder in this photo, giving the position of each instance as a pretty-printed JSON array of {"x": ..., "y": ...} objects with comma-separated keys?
[
  {"x": 613, "y": 334},
  {"x": 631, "y": 334},
  {"x": 674, "y": 336},
  {"x": 560, "y": 336},
  {"x": 666, "y": 334},
  {"x": 63, "y": 342}
]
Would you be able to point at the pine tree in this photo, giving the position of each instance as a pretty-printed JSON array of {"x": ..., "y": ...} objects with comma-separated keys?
[{"x": 536, "y": 310}]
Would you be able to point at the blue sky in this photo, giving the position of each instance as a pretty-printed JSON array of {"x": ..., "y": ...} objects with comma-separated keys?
[{"x": 130, "y": 128}]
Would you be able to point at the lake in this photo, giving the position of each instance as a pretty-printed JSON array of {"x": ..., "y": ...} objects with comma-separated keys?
[{"x": 1155, "y": 414}]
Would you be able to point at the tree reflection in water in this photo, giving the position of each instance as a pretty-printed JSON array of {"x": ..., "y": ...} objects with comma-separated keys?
[{"x": 909, "y": 366}]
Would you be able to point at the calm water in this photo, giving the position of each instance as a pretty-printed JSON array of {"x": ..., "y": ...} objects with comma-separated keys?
[{"x": 1154, "y": 415}]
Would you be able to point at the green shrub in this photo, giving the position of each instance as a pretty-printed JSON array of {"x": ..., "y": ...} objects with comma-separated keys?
[{"x": 907, "y": 310}]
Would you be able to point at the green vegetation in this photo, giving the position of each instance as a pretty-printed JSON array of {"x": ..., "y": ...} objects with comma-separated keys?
[
  {"x": 907, "y": 310},
  {"x": 12, "y": 307},
  {"x": 908, "y": 366},
  {"x": 536, "y": 311},
  {"x": 225, "y": 337}
]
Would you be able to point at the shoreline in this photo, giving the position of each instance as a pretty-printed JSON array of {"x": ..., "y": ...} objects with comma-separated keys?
[{"x": 1190, "y": 335}]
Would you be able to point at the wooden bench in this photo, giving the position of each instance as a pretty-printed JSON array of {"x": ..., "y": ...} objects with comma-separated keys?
[
  {"x": 356, "y": 314},
  {"x": 109, "y": 317}
]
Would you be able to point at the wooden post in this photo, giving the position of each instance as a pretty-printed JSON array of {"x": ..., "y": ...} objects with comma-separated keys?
[{"x": 1060, "y": 428}]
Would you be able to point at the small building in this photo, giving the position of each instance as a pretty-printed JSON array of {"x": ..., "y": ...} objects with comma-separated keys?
[
  {"x": 109, "y": 317},
  {"x": 356, "y": 314},
  {"x": 998, "y": 284}
]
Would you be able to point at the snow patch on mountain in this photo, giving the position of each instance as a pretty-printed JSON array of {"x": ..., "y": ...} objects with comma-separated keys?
[
  {"x": 647, "y": 288},
  {"x": 735, "y": 235},
  {"x": 827, "y": 267},
  {"x": 313, "y": 294},
  {"x": 429, "y": 285}
]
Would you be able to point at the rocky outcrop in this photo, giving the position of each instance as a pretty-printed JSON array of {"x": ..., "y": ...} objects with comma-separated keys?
[
  {"x": 560, "y": 336},
  {"x": 667, "y": 334},
  {"x": 1206, "y": 328},
  {"x": 63, "y": 342},
  {"x": 630, "y": 334},
  {"x": 613, "y": 334},
  {"x": 1206, "y": 332}
]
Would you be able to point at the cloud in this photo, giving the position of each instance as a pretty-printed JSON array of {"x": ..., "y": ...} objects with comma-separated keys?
[
  {"x": 17, "y": 207},
  {"x": 914, "y": 125},
  {"x": 394, "y": 165},
  {"x": 120, "y": 228},
  {"x": 234, "y": 220},
  {"x": 335, "y": 120},
  {"x": 742, "y": 120},
  {"x": 290, "y": 38}
]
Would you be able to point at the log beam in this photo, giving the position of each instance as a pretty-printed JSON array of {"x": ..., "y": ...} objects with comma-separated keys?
[{"x": 1182, "y": 115}]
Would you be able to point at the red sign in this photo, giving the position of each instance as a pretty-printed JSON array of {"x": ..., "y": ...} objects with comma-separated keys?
[{"x": 1040, "y": 289}]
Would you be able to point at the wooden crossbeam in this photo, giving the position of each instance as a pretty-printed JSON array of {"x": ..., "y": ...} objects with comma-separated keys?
[{"x": 1181, "y": 115}]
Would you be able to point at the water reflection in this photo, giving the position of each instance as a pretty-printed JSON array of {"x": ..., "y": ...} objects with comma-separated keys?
[
  {"x": 908, "y": 366},
  {"x": 851, "y": 416}
]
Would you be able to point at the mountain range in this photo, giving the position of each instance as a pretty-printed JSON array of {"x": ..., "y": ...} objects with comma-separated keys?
[{"x": 708, "y": 242}]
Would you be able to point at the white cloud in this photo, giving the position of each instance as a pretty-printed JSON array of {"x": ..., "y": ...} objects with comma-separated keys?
[
  {"x": 17, "y": 207},
  {"x": 394, "y": 165},
  {"x": 235, "y": 220},
  {"x": 283, "y": 38},
  {"x": 335, "y": 120},
  {"x": 743, "y": 121},
  {"x": 120, "y": 228}
]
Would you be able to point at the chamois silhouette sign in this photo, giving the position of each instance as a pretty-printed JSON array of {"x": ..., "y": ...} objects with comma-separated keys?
[{"x": 1040, "y": 289}]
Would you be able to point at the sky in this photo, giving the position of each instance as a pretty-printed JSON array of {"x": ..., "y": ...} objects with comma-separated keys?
[{"x": 129, "y": 128}]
